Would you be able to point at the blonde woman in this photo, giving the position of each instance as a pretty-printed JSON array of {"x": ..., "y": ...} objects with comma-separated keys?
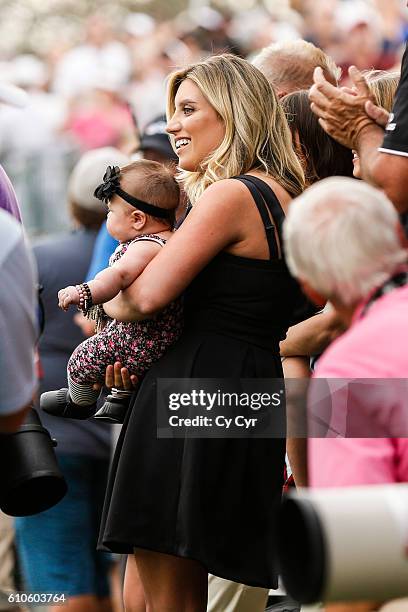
[{"x": 181, "y": 508}]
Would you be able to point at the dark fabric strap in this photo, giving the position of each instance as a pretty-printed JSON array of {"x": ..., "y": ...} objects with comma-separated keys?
[
  {"x": 263, "y": 211},
  {"x": 272, "y": 203},
  {"x": 263, "y": 208},
  {"x": 184, "y": 217}
]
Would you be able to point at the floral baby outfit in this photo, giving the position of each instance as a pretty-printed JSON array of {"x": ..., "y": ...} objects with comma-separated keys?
[{"x": 137, "y": 345}]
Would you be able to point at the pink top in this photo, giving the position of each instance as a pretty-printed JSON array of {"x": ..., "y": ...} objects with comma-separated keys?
[
  {"x": 375, "y": 346},
  {"x": 94, "y": 128}
]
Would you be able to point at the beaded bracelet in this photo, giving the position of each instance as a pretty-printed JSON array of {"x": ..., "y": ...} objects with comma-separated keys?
[{"x": 85, "y": 297}]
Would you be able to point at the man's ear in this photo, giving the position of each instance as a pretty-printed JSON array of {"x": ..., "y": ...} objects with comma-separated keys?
[
  {"x": 139, "y": 219},
  {"x": 313, "y": 295}
]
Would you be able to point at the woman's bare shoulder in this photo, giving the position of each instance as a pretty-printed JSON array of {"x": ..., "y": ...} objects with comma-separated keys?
[
  {"x": 231, "y": 196},
  {"x": 224, "y": 197},
  {"x": 225, "y": 189}
]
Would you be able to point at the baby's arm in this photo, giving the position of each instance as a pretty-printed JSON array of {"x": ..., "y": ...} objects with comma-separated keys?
[{"x": 110, "y": 281}]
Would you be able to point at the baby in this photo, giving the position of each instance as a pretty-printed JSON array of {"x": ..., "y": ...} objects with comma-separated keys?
[{"x": 141, "y": 198}]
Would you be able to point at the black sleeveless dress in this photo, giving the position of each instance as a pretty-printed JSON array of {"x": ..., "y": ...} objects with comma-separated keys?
[{"x": 212, "y": 500}]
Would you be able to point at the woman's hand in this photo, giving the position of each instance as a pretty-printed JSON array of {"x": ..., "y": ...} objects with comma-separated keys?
[{"x": 118, "y": 377}]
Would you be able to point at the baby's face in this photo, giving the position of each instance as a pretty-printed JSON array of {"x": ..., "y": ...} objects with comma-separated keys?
[{"x": 119, "y": 222}]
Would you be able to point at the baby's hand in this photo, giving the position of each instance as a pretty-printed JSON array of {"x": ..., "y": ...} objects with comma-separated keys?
[{"x": 67, "y": 296}]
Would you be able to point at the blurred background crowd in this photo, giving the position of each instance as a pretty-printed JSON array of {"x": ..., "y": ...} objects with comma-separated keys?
[{"x": 96, "y": 71}]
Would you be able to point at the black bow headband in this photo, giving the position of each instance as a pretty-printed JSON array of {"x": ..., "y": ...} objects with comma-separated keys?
[{"x": 111, "y": 186}]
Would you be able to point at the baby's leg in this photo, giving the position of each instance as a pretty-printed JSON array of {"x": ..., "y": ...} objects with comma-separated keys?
[
  {"x": 87, "y": 366},
  {"x": 83, "y": 395}
]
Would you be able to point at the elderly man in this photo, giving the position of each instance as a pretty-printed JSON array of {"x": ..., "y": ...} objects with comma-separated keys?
[
  {"x": 343, "y": 242},
  {"x": 355, "y": 122},
  {"x": 289, "y": 65}
]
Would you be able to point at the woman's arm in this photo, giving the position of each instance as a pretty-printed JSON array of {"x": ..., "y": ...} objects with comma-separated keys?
[
  {"x": 296, "y": 448},
  {"x": 216, "y": 221},
  {"x": 312, "y": 336}
]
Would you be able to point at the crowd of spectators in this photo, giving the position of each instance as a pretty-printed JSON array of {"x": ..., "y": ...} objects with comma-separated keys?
[
  {"x": 109, "y": 90},
  {"x": 104, "y": 88}
]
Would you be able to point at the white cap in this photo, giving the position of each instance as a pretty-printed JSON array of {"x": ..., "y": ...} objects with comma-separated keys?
[
  {"x": 139, "y": 24},
  {"x": 88, "y": 174},
  {"x": 352, "y": 14},
  {"x": 207, "y": 17}
]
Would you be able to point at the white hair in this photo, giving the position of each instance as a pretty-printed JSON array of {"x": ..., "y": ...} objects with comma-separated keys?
[{"x": 341, "y": 237}]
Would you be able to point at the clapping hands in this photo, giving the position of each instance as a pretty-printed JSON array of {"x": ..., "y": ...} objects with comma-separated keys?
[{"x": 345, "y": 113}]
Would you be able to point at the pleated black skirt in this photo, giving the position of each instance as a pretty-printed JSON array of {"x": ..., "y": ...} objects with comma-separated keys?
[{"x": 211, "y": 500}]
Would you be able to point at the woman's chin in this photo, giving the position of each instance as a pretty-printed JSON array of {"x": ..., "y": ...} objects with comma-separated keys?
[{"x": 187, "y": 165}]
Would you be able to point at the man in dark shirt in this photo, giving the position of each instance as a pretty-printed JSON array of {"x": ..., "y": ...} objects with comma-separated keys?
[{"x": 396, "y": 131}]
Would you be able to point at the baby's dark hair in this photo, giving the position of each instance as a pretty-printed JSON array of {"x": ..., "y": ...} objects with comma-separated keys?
[{"x": 153, "y": 183}]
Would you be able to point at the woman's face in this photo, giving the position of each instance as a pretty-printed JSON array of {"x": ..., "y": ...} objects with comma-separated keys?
[{"x": 196, "y": 127}]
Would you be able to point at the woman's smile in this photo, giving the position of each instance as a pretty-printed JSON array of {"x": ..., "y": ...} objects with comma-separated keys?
[{"x": 181, "y": 142}]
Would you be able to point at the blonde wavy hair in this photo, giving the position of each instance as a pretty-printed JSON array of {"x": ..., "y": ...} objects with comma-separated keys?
[
  {"x": 383, "y": 85},
  {"x": 257, "y": 135}
]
